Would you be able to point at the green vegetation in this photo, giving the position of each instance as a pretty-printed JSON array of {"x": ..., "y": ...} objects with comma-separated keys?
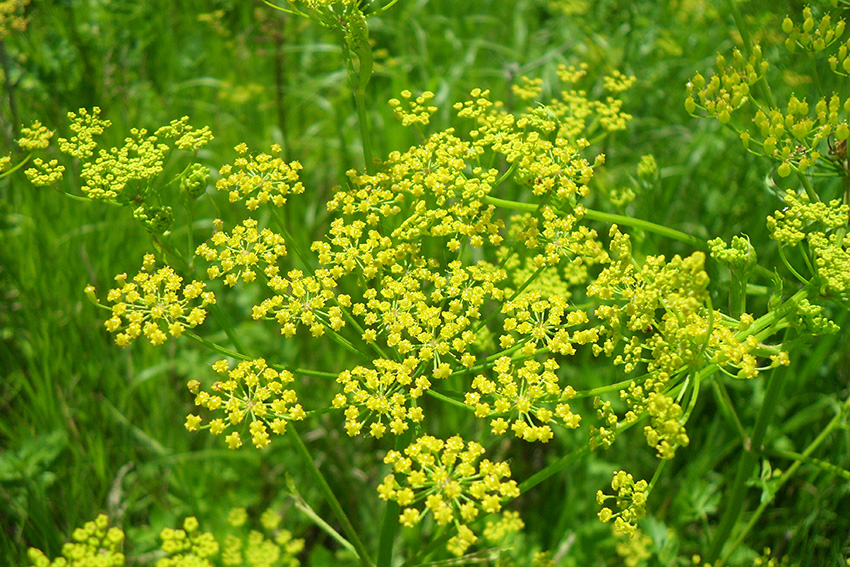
[{"x": 509, "y": 282}]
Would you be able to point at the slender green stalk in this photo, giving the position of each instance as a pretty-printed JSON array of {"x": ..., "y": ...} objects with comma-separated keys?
[
  {"x": 360, "y": 103},
  {"x": 611, "y": 218},
  {"x": 240, "y": 356},
  {"x": 329, "y": 495},
  {"x": 736, "y": 495},
  {"x": 787, "y": 475}
]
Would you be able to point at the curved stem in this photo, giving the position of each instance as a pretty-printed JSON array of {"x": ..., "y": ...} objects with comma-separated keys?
[
  {"x": 611, "y": 218},
  {"x": 326, "y": 490}
]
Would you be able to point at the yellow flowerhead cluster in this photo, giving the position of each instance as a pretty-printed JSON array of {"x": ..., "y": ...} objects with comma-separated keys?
[
  {"x": 94, "y": 545},
  {"x": 666, "y": 432},
  {"x": 260, "y": 179},
  {"x": 119, "y": 173},
  {"x": 44, "y": 173},
  {"x": 242, "y": 252},
  {"x": 11, "y": 17},
  {"x": 685, "y": 330},
  {"x": 443, "y": 477},
  {"x": 303, "y": 300},
  {"x": 187, "y": 546},
  {"x": 85, "y": 125},
  {"x": 812, "y": 38},
  {"x": 435, "y": 326},
  {"x": 413, "y": 110},
  {"x": 630, "y": 501},
  {"x": 729, "y": 87},
  {"x": 538, "y": 142},
  {"x": 822, "y": 226},
  {"x": 256, "y": 549},
  {"x": 381, "y": 396},
  {"x": 36, "y": 137},
  {"x": 536, "y": 320},
  {"x": 529, "y": 396},
  {"x": 253, "y": 391},
  {"x": 151, "y": 304}
]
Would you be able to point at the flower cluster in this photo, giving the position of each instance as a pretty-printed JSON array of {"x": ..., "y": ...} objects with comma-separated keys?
[
  {"x": 686, "y": 330},
  {"x": 242, "y": 252},
  {"x": 261, "y": 178},
  {"x": 151, "y": 304},
  {"x": 94, "y": 545},
  {"x": 380, "y": 395},
  {"x": 630, "y": 500},
  {"x": 443, "y": 476},
  {"x": 535, "y": 319},
  {"x": 729, "y": 88},
  {"x": 187, "y": 546},
  {"x": 11, "y": 17},
  {"x": 529, "y": 396},
  {"x": 45, "y": 173},
  {"x": 35, "y": 137},
  {"x": 126, "y": 173},
  {"x": 253, "y": 391},
  {"x": 413, "y": 110},
  {"x": 258, "y": 549},
  {"x": 822, "y": 226},
  {"x": 305, "y": 300},
  {"x": 812, "y": 38}
]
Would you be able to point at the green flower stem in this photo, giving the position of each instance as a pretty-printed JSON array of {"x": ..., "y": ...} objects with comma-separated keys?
[
  {"x": 289, "y": 238},
  {"x": 825, "y": 466},
  {"x": 656, "y": 476},
  {"x": 360, "y": 103},
  {"x": 736, "y": 495},
  {"x": 788, "y": 474},
  {"x": 748, "y": 47},
  {"x": 610, "y": 218},
  {"x": 305, "y": 508},
  {"x": 774, "y": 317},
  {"x": 606, "y": 389},
  {"x": 447, "y": 399},
  {"x": 725, "y": 403},
  {"x": 17, "y": 166},
  {"x": 325, "y": 489},
  {"x": 240, "y": 356},
  {"x": 568, "y": 459},
  {"x": 390, "y": 522}
]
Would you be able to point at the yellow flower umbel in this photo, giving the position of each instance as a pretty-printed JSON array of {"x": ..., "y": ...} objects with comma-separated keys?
[
  {"x": 442, "y": 477},
  {"x": 251, "y": 391},
  {"x": 529, "y": 396},
  {"x": 260, "y": 179},
  {"x": 152, "y": 305},
  {"x": 381, "y": 395},
  {"x": 187, "y": 546},
  {"x": 94, "y": 545},
  {"x": 631, "y": 503},
  {"x": 242, "y": 252}
]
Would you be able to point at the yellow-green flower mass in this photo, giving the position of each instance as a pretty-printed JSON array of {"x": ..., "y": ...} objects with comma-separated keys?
[
  {"x": 250, "y": 392},
  {"x": 96, "y": 544},
  {"x": 259, "y": 179},
  {"x": 155, "y": 304},
  {"x": 446, "y": 479}
]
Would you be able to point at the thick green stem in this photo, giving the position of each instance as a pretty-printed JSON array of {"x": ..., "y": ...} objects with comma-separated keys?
[
  {"x": 736, "y": 495},
  {"x": 326, "y": 490}
]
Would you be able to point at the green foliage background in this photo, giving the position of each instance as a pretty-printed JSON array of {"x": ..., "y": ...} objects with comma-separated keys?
[{"x": 86, "y": 427}]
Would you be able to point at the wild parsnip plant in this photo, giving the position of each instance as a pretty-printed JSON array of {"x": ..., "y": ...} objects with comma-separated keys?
[{"x": 461, "y": 279}]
